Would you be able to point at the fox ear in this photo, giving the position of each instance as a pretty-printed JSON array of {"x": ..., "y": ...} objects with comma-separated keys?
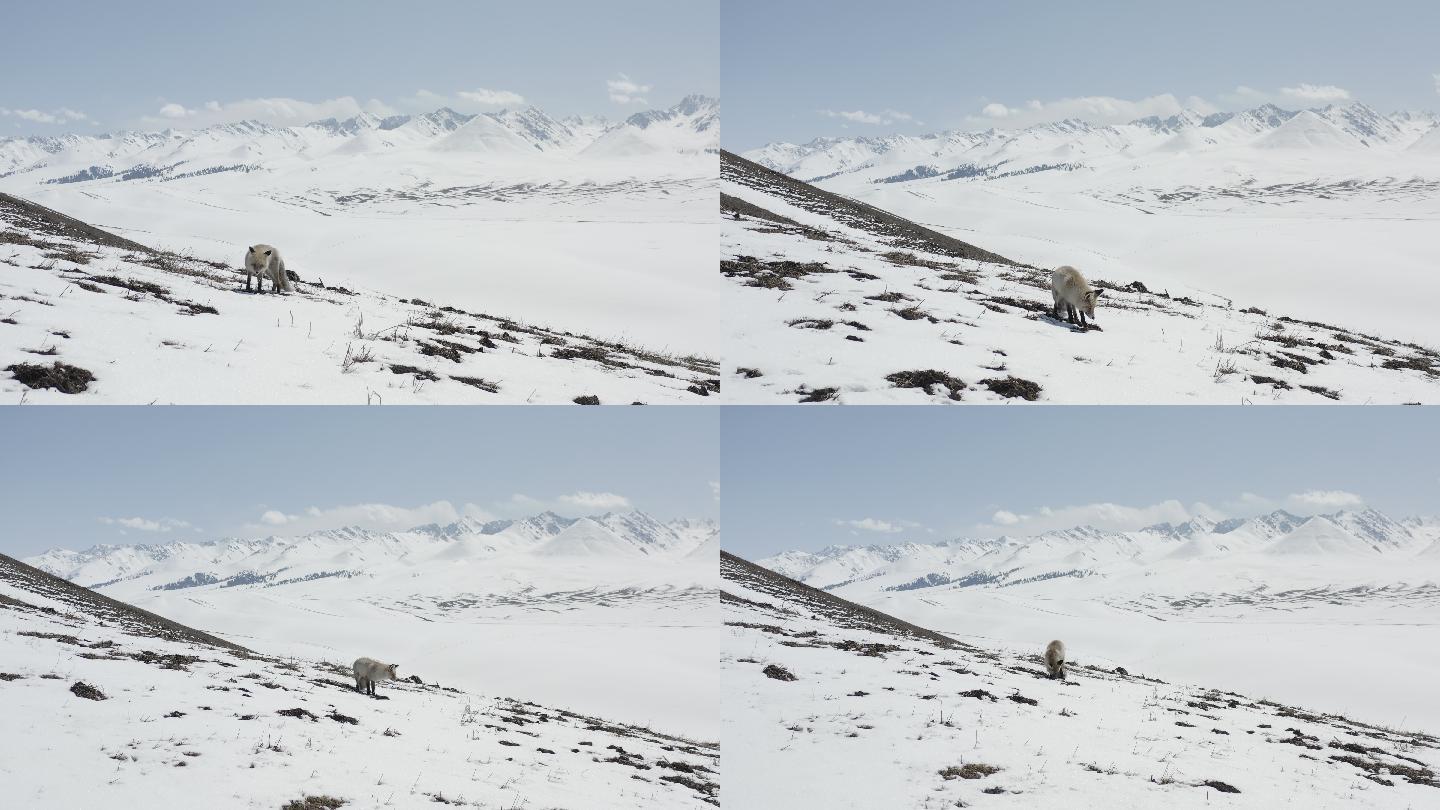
[
  {"x": 1098, "y": 293},
  {"x": 267, "y": 253}
]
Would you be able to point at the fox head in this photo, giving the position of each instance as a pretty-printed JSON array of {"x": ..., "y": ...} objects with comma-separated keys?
[
  {"x": 256, "y": 257},
  {"x": 1089, "y": 306},
  {"x": 391, "y": 670}
]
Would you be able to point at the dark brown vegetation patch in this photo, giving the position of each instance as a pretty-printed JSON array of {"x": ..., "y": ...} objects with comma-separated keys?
[
  {"x": 779, "y": 673},
  {"x": 913, "y": 314},
  {"x": 588, "y": 399},
  {"x": 85, "y": 690},
  {"x": 819, "y": 394},
  {"x": 313, "y": 803},
  {"x": 927, "y": 379},
  {"x": 1013, "y": 388},
  {"x": 970, "y": 770},
  {"x": 420, "y": 373},
  {"x": 1279, "y": 385},
  {"x": 906, "y": 259},
  {"x": 62, "y": 377},
  {"x": 810, "y": 323},
  {"x": 888, "y": 297},
  {"x": 482, "y": 384},
  {"x": 775, "y": 275}
]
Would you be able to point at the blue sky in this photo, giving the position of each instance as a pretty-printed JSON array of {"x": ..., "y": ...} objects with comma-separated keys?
[
  {"x": 807, "y": 478},
  {"x": 805, "y": 68},
  {"x": 97, "y": 65},
  {"x": 76, "y": 477}
]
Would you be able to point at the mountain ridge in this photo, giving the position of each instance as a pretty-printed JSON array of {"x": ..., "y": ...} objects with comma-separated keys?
[
  {"x": 1357, "y": 125},
  {"x": 633, "y": 534},
  {"x": 1363, "y": 532},
  {"x": 127, "y": 155}
]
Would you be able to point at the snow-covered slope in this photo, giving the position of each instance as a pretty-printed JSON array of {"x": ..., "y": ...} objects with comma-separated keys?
[
  {"x": 108, "y": 705},
  {"x": 515, "y": 212},
  {"x": 1327, "y": 214},
  {"x": 1233, "y": 604},
  {"x": 829, "y": 704},
  {"x": 535, "y": 600},
  {"x": 155, "y": 326},
  {"x": 836, "y": 300}
]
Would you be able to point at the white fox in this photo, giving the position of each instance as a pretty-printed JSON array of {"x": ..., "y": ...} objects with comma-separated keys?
[
  {"x": 262, "y": 261},
  {"x": 368, "y": 671},
  {"x": 1055, "y": 659},
  {"x": 1070, "y": 288}
]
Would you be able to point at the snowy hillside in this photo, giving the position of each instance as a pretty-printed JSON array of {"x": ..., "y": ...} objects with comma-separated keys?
[
  {"x": 537, "y": 600},
  {"x": 105, "y": 704},
  {"x": 1233, "y": 604},
  {"x": 134, "y": 325},
  {"x": 835, "y": 300},
  {"x": 833, "y": 705},
  {"x": 594, "y": 225},
  {"x": 1322, "y": 213}
]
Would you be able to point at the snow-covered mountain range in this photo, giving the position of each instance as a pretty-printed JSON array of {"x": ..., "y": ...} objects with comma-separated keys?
[
  {"x": 354, "y": 551},
  {"x": 1363, "y": 536},
  {"x": 690, "y": 127},
  {"x": 1070, "y": 144},
  {"x": 537, "y": 600}
]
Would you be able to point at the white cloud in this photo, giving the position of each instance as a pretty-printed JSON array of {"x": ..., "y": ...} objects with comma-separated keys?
[
  {"x": 1093, "y": 109},
  {"x": 377, "y": 516},
  {"x": 140, "y": 524},
  {"x": 874, "y": 525},
  {"x": 1103, "y": 110},
  {"x": 1316, "y": 93},
  {"x": 492, "y": 98},
  {"x": 463, "y": 100},
  {"x": 623, "y": 90},
  {"x": 520, "y": 501},
  {"x": 1105, "y": 515},
  {"x": 63, "y": 115},
  {"x": 274, "y": 518},
  {"x": 1324, "y": 499},
  {"x": 596, "y": 500},
  {"x": 1301, "y": 95},
  {"x": 861, "y": 117},
  {"x": 1118, "y": 517},
  {"x": 1004, "y": 518},
  {"x": 277, "y": 111}
]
